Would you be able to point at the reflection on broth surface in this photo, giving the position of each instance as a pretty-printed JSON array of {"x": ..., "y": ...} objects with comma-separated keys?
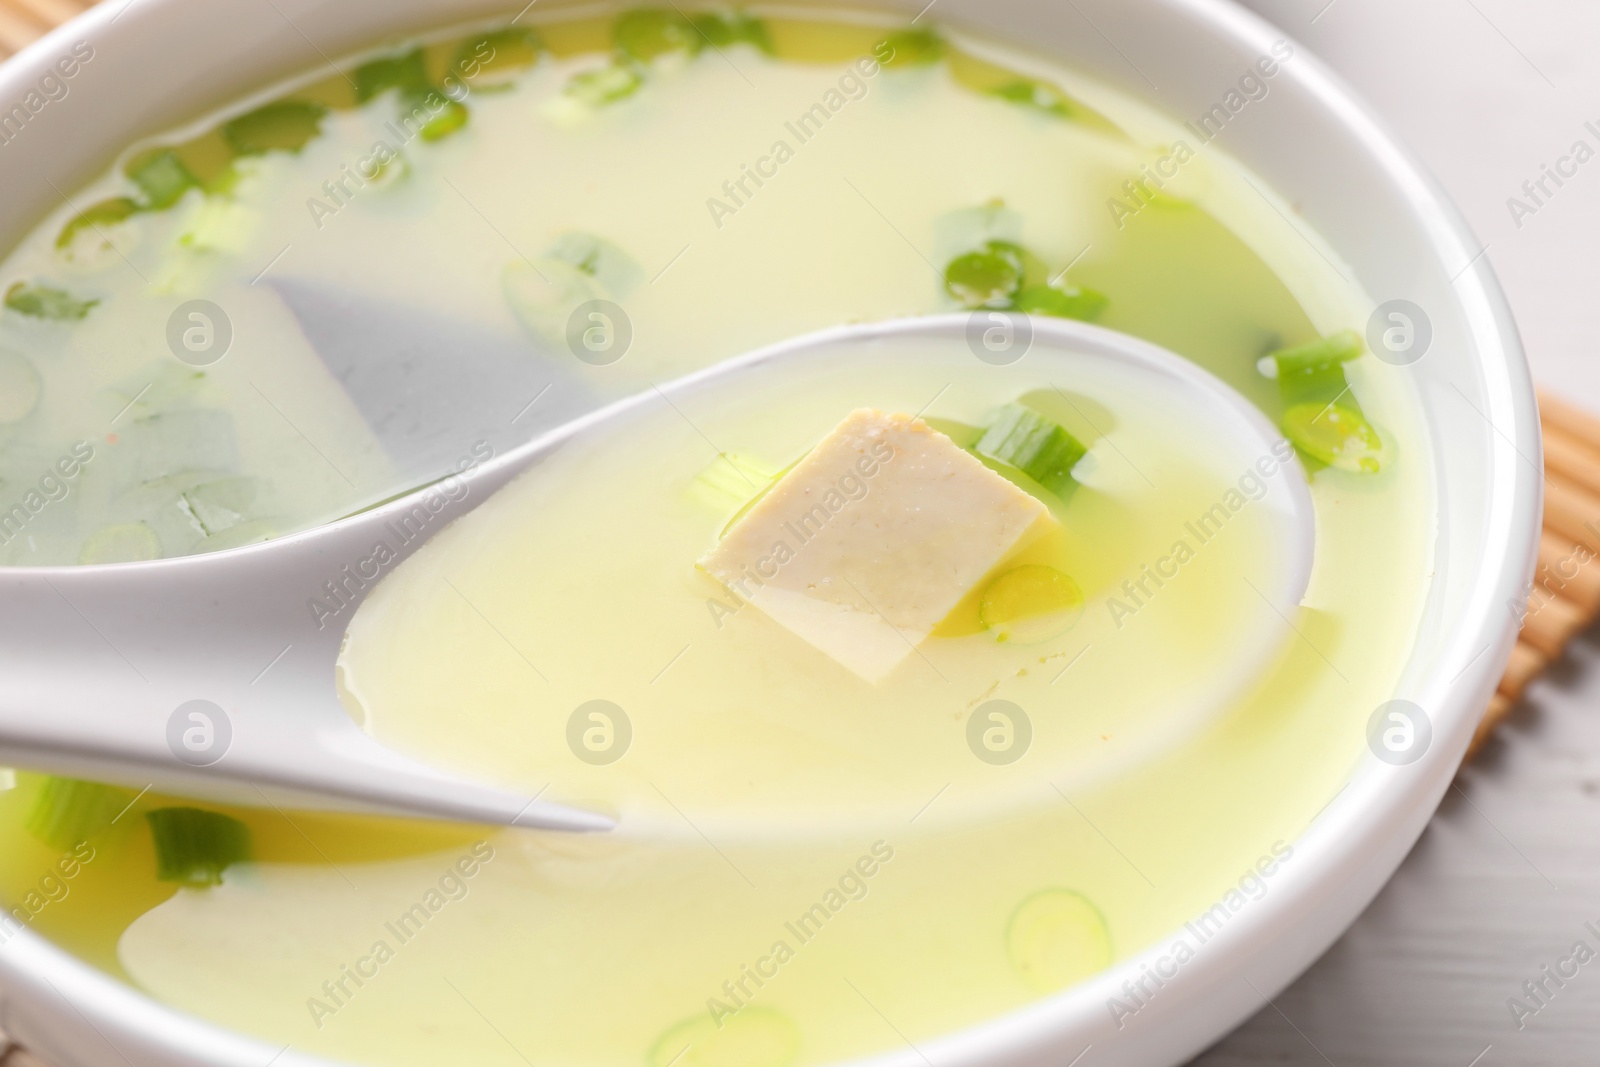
[{"x": 349, "y": 287}]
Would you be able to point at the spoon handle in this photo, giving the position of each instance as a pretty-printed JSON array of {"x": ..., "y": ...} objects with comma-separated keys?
[{"x": 215, "y": 675}]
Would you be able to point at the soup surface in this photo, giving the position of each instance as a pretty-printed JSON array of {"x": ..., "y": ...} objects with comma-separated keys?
[{"x": 372, "y": 278}]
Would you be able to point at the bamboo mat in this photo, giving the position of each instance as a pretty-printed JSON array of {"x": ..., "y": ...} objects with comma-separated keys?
[
  {"x": 17, "y": 1056},
  {"x": 24, "y": 21},
  {"x": 1565, "y": 599}
]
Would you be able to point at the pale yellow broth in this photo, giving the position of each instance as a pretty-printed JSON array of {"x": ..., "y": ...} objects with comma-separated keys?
[{"x": 760, "y": 773}]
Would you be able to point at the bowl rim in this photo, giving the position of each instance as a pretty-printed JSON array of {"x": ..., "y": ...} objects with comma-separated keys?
[{"x": 1352, "y": 847}]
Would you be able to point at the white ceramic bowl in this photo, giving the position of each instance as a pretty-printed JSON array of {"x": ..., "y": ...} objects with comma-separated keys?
[{"x": 159, "y": 62}]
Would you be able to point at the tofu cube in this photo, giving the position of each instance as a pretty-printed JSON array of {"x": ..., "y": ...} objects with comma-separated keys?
[{"x": 871, "y": 540}]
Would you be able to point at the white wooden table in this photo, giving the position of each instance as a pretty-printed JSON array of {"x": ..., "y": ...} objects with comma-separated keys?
[{"x": 1507, "y": 875}]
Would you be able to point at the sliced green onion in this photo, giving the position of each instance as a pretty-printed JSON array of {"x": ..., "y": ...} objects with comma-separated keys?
[
  {"x": 224, "y": 181},
  {"x": 1335, "y": 435},
  {"x": 751, "y": 1037},
  {"x": 731, "y": 479},
  {"x": 1036, "y": 95},
  {"x": 1043, "y": 450},
  {"x": 162, "y": 177},
  {"x": 220, "y": 224},
  {"x": 1321, "y": 416},
  {"x": 758, "y": 497},
  {"x": 249, "y": 532},
  {"x": 1341, "y": 347},
  {"x": 105, "y": 213},
  {"x": 388, "y": 173},
  {"x": 194, "y": 847},
  {"x": 1030, "y": 604},
  {"x": 963, "y": 435},
  {"x": 721, "y": 30},
  {"x": 646, "y": 33},
  {"x": 601, "y": 260},
  {"x": 1319, "y": 383},
  {"x": 963, "y": 229},
  {"x": 1011, "y": 252},
  {"x": 988, "y": 278},
  {"x": 43, "y": 302},
  {"x": 511, "y": 51},
  {"x": 1314, "y": 372},
  {"x": 285, "y": 126},
  {"x": 1056, "y": 938},
  {"x": 1001, "y": 273},
  {"x": 408, "y": 73},
  {"x": 126, "y": 542},
  {"x": 604, "y": 86},
  {"x": 215, "y": 507},
  {"x": 1062, "y": 302},
  {"x": 68, "y": 811},
  {"x": 543, "y": 293},
  {"x": 913, "y": 47},
  {"x": 451, "y": 119}
]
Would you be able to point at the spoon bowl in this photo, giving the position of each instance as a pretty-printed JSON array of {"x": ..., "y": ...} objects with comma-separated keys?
[{"x": 216, "y": 675}]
